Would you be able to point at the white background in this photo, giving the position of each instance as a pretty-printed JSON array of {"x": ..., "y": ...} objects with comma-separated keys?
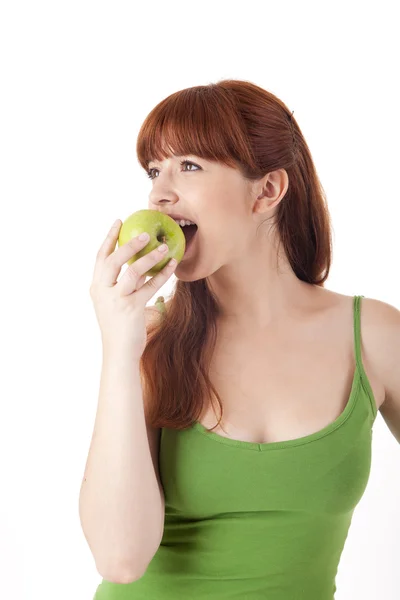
[{"x": 77, "y": 81}]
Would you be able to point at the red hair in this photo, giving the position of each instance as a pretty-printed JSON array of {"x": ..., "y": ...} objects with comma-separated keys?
[{"x": 240, "y": 125}]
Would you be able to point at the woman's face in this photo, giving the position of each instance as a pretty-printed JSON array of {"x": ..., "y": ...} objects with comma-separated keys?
[{"x": 213, "y": 196}]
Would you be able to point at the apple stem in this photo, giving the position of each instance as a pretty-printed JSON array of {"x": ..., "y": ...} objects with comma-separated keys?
[{"x": 160, "y": 304}]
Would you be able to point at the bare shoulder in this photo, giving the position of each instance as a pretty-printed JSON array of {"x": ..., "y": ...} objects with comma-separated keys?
[
  {"x": 383, "y": 339},
  {"x": 376, "y": 319},
  {"x": 381, "y": 333},
  {"x": 381, "y": 343}
]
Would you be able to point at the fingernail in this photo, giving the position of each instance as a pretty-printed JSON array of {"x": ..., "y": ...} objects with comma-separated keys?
[{"x": 143, "y": 237}]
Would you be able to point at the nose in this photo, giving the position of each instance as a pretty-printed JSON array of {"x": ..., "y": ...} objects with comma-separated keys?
[{"x": 161, "y": 198}]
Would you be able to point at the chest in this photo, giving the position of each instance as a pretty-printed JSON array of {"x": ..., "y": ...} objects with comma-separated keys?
[{"x": 285, "y": 384}]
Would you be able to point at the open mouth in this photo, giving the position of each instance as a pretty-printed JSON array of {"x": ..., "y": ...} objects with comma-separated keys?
[{"x": 189, "y": 232}]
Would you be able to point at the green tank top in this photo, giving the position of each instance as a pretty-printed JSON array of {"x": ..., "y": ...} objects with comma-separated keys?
[{"x": 252, "y": 521}]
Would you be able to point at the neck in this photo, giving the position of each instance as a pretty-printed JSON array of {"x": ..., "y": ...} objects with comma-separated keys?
[{"x": 255, "y": 292}]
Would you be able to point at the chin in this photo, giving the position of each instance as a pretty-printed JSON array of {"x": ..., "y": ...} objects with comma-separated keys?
[
  {"x": 189, "y": 276},
  {"x": 188, "y": 272}
]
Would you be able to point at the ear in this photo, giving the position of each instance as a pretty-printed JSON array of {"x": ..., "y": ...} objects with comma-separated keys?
[{"x": 269, "y": 190}]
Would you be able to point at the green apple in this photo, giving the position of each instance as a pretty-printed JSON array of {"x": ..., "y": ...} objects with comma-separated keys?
[{"x": 161, "y": 228}]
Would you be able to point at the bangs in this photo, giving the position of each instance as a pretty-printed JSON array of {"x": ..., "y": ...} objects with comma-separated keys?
[{"x": 203, "y": 121}]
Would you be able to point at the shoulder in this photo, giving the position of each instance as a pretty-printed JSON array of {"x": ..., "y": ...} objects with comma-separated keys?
[
  {"x": 376, "y": 319},
  {"x": 152, "y": 315},
  {"x": 381, "y": 334},
  {"x": 381, "y": 325}
]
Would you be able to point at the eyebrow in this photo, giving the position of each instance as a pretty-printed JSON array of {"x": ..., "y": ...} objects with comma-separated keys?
[{"x": 173, "y": 156}]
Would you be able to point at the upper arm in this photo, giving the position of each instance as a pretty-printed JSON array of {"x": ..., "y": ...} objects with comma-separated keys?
[{"x": 386, "y": 323}]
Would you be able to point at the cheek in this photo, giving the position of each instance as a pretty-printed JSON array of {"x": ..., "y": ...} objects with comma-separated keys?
[
  {"x": 225, "y": 223},
  {"x": 226, "y": 234}
]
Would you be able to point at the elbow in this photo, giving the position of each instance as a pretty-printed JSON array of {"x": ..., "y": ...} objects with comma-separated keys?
[
  {"x": 127, "y": 571},
  {"x": 124, "y": 574},
  {"x": 127, "y": 578},
  {"x": 120, "y": 576}
]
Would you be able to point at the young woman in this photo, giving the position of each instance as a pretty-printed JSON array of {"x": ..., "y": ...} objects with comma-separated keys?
[{"x": 233, "y": 436}]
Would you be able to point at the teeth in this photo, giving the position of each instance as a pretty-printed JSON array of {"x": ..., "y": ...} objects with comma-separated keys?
[{"x": 182, "y": 222}]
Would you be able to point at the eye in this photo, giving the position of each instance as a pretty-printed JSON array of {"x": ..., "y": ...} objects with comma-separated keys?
[{"x": 183, "y": 162}]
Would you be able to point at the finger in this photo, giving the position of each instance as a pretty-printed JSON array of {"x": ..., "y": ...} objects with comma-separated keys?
[
  {"x": 109, "y": 243},
  {"x": 107, "y": 247},
  {"x": 110, "y": 266},
  {"x": 140, "y": 281},
  {"x": 129, "y": 282}
]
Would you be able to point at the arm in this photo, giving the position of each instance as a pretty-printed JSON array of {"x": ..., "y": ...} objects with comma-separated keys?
[
  {"x": 386, "y": 324},
  {"x": 120, "y": 504}
]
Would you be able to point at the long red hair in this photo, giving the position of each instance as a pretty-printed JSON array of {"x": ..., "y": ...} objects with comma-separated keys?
[{"x": 240, "y": 125}]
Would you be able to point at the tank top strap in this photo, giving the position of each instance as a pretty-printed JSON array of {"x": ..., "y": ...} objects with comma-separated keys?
[
  {"x": 359, "y": 364},
  {"x": 357, "y": 330}
]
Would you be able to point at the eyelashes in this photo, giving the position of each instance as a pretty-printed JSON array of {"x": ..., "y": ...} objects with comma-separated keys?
[{"x": 182, "y": 163}]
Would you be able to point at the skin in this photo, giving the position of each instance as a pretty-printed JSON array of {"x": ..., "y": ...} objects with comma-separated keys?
[
  {"x": 239, "y": 258},
  {"x": 234, "y": 250}
]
